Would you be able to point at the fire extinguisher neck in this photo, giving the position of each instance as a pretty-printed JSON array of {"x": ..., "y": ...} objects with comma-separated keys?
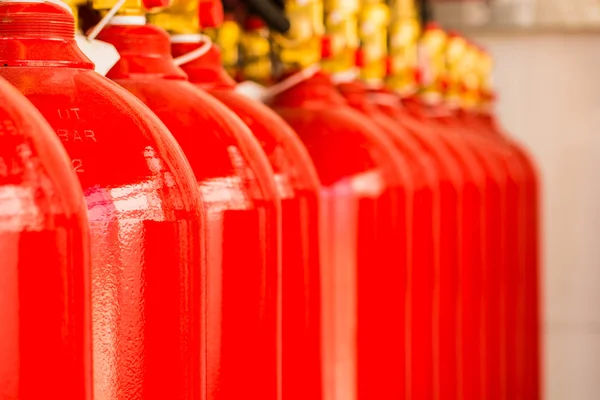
[
  {"x": 145, "y": 51},
  {"x": 355, "y": 94},
  {"x": 36, "y": 20},
  {"x": 206, "y": 70},
  {"x": 39, "y": 34},
  {"x": 315, "y": 92}
]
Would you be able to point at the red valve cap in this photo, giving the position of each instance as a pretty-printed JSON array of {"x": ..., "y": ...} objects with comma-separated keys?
[
  {"x": 210, "y": 13},
  {"x": 150, "y": 4},
  {"x": 326, "y": 47}
]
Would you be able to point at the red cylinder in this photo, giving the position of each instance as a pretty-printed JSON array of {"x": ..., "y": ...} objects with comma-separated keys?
[
  {"x": 367, "y": 193},
  {"x": 508, "y": 304},
  {"x": 45, "y": 293},
  {"x": 143, "y": 207},
  {"x": 242, "y": 210},
  {"x": 512, "y": 280},
  {"x": 501, "y": 192},
  {"x": 424, "y": 268},
  {"x": 495, "y": 275},
  {"x": 526, "y": 311},
  {"x": 456, "y": 356},
  {"x": 298, "y": 186}
]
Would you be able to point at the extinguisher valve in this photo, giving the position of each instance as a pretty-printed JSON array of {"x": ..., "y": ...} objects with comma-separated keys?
[
  {"x": 341, "y": 25},
  {"x": 404, "y": 75},
  {"x": 189, "y": 16},
  {"x": 300, "y": 46},
  {"x": 373, "y": 21},
  {"x": 130, "y": 7}
]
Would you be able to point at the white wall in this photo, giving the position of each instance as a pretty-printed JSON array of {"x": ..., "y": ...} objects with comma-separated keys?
[{"x": 549, "y": 86}]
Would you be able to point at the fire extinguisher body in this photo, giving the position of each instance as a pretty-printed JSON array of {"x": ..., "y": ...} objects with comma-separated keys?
[
  {"x": 298, "y": 186},
  {"x": 44, "y": 261},
  {"x": 367, "y": 191},
  {"x": 143, "y": 208},
  {"x": 522, "y": 352},
  {"x": 424, "y": 248},
  {"x": 461, "y": 258},
  {"x": 472, "y": 272},
  {"x": 505, "y": 285},
  {"x": 532, "y": 354},
  {"x": 242, "y": 209}
]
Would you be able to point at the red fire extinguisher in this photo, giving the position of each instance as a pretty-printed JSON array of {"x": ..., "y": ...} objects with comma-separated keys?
[
  {"x": 486, "y": 296},
  {"x": 509, "y": 382},
  {"x": 367, "y": 192},
  {"x": 430, "y": 187},
  {"x": 461, "y": 190},
  {"x": 238, "y": 190},
  {"x": 143, "y": 208},
  {"x": 501, "y": 250},
  {"x": 527, "y": 314},
  {"x": 458, "y": 361},
  {"x": 45, "y": 333},
  {"x": 297, "y": 184}
]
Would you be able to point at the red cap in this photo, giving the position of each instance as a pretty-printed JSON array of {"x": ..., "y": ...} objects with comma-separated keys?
[
  {"x": 326, "y": 47},
  {"x": 359, "y": 58},
  {"x": 388, "y": 66},
  {"x": 210, "y": 13},
  {"x": 150, "y": 4}
]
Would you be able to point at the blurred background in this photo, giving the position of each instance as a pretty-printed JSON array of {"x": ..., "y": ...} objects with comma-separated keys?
[{"x": 547, "y": 63}]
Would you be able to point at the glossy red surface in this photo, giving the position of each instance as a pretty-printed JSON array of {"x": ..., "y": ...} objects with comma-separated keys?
[
  {"x": 456, "y": 315},
  {"x": 367, "y": 192},
  {"x": 514, "y": 271},
  {"x": 526, "y": 313},
  {"x": 143, "y": 207},
  {"x": 424, "y": 249},
  {"x": 512, "y": 280},
  {"x": 242, "y": 209},
  {"x": 495, "y": 274},
  {"x": 210, "y": 13},
  {"x": 45, "y": 291},
  {"x": 532, "y": 354},
  {"x": 298, "y": 186}
]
